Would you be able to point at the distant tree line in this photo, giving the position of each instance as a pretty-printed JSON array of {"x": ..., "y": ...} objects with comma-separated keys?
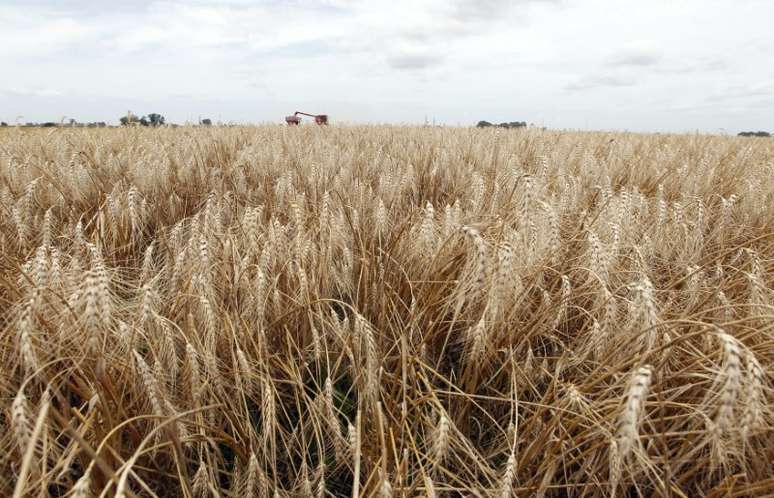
[
  {"x": 153, "y": 119},
  {"x": 70, "y": 124},
  {"x": 755, "y": 134},
  {"x": 512, "y": 124},
  {"x": 130, "y": 119}
]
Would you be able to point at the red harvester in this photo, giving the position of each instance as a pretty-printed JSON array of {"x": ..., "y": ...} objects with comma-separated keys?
[{"x": 320, "y": 119}]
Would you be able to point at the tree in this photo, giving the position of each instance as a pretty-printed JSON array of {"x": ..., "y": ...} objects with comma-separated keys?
[
  {"x": 206, "y": 122},
  {"x": 155, "y": 119},
  {"x": 512, "y": 124},
  {"x": 3, "y": 123},
  {"x": 150, "y": 120},
  {"x": 129, "y": 119}
]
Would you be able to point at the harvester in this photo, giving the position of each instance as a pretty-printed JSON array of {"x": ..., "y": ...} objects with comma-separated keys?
[{"x": 320, "y": 119}]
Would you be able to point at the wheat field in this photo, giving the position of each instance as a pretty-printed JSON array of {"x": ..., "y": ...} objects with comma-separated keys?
[{"x": 385, "y": 311}]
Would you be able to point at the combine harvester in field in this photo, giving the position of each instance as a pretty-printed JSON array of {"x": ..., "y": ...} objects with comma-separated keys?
[{"x": 320, "y": 119}]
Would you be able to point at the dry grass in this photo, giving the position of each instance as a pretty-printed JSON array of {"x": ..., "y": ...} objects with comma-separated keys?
[{"x": 385, "y": 311}]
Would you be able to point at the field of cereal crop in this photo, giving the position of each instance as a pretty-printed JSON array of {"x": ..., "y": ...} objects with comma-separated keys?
[{"x": 385, "y": 311}]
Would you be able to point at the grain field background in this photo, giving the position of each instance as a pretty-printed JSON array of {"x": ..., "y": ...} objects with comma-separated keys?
[{"x": 385, "y": 311}]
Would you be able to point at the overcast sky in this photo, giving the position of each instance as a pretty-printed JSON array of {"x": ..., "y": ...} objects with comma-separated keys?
[{"x": 657, "y": 65}]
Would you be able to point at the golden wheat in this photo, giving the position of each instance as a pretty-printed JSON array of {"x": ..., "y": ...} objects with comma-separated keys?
[{"x": 385, "y": 311}]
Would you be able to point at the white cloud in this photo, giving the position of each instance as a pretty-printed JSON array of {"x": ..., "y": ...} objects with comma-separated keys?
[
  {"x": 31, "y": 92},
  {"x": 642, "y": 58},
  {"x": 563, "y": 63},
  {"x": 740, "y": 92},
  {"x": 599, "y": 81},
  {"x": 635, "y": 53},
  {"x": 705, "y": 64},
  {"x": 414, "y": 61}
]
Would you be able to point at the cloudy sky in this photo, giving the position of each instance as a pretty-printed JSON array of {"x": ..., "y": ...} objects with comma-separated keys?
[{"x": 657, "y": 65}]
